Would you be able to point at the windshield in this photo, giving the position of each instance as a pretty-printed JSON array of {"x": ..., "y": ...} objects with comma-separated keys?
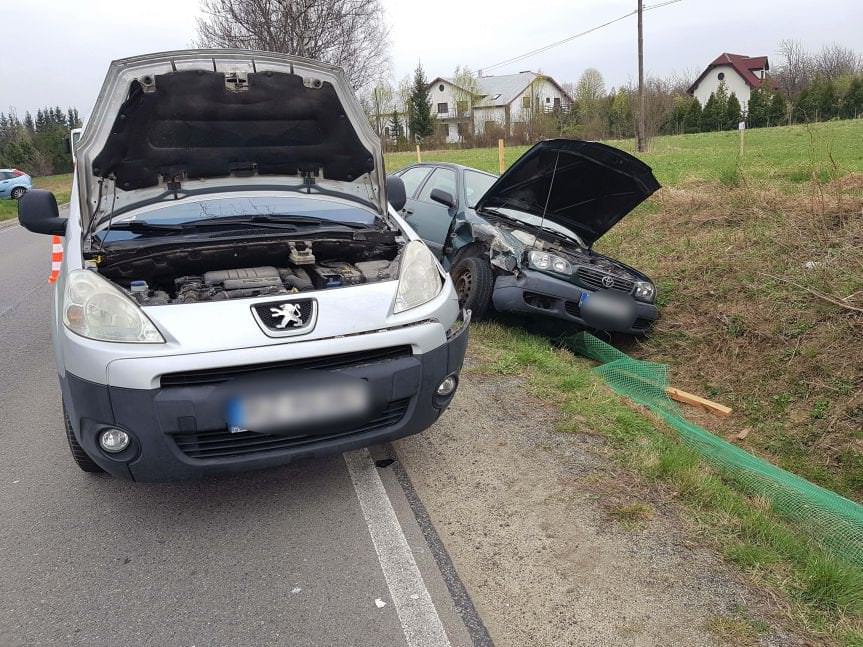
[
  {"x": 475, "y": 185},
  {"x": 184, "y": 212},
  {"x": 536, "y": 221}
]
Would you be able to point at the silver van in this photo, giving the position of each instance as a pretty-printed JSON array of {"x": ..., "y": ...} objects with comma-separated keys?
[{"x": 235, "y": 291}]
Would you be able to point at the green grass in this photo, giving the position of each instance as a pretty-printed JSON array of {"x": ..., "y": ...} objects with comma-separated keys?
[
  {"x": 825, "y": 595},
  {"x": 782, "y": 153},
  {"x": 59, "y": 185}
]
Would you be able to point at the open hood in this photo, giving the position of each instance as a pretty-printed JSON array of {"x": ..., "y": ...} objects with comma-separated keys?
[
  {"x": 586, "y": 187},
  {"x": 178, "y": 123}
]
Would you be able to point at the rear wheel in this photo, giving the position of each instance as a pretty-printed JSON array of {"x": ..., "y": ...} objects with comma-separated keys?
[
  {"x": 473, "y": 281},
  {"x": 17, "y": 192},
  {"x": 78, "y": 454}
]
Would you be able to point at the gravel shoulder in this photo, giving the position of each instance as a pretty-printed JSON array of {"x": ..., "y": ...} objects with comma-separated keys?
[{"x": 558, "y": 545}]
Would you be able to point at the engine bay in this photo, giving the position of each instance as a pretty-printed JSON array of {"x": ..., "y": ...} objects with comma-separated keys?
[{"x": 240, "y": 270}]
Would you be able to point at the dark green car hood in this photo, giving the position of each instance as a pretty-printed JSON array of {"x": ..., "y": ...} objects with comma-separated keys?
[{"x": 586, "y": 187}]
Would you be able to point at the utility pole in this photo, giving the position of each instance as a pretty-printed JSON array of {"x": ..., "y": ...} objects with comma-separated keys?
[{"x": 640, "y": 135}]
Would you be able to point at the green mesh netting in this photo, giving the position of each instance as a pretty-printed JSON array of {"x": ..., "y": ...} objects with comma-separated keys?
[{"x": 833, "y": 520}]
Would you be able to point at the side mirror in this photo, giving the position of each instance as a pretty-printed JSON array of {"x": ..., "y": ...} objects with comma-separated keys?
[
  {"x": 38, "y": 212},
  {"x": 444, "y": 197},
  {"x": 396, "y": 194}
]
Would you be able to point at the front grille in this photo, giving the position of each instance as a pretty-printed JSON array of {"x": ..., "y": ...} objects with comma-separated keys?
[
  {"x": 342, "y": 360},
  {"x": 221, "y": 443},
  {"x": 592, "y": 279}
]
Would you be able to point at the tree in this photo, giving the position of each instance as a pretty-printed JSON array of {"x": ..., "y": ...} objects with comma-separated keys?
[
  {"x": 712, "y": 115},
  {"x": 828, "y": 100},
  {"x": 758, "y": 107},
  {"x": 777, "y": 114},
  {"x": 715, "y": 114},
  {"x": 349, "y": 33},
  {"x": 466, "y": 89},
  {"x": 733, "y": 113},
  {"x": 693, "y": 117},
  {"x": 852, "y": 102},
  {"x": 620, "y": 118},
  {"x": 421, "y": 122},
  {"x": 590, "y": 87},
  {"x": 396, "y": 127},
  {"x": 834, "y": 61},
  {"x": 796, "y": 70},
  {"x": 806, "y": 106}
]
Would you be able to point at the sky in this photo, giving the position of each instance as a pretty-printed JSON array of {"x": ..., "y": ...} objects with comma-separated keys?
[{"x": 57, "y": 52}]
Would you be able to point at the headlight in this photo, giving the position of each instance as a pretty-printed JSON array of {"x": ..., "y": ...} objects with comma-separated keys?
[
  {"x": 549, "y": 262},
  {"x": 419, "y": 278},
  {"x": 94, "y": 308},
  {"x": 644, "y": 291}
]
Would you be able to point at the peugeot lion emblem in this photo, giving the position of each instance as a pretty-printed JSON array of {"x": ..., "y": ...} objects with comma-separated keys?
[
  {"x": 290, "y": 314},
  {"x": 608, "y": 281},
  {"x": 284, "y": 318}
]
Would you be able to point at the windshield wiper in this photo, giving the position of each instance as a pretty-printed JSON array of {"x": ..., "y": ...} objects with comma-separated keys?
[
  {"x": 142, "y": 227},
  {"x": 288, "y": 223},
  {"x": 274, "y": 221}
]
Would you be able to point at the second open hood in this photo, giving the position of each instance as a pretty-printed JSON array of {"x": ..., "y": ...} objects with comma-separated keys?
[
  {"x": 223, "y": 119},
  {"x": 586, "y": 187}
]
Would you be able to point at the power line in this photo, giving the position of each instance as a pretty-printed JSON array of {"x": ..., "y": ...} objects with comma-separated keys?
[{"x": 544, "y": 48}]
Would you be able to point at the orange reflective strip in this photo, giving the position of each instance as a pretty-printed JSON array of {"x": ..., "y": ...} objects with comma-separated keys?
[{"x": 56, "y": 259}]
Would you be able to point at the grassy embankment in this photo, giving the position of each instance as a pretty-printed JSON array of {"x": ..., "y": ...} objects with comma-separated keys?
[
  {"x": 60, "y": 185},
  {"x": 753, "y": 257}
]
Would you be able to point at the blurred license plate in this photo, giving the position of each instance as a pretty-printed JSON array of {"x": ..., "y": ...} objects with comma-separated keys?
[{"x": 303, "y": 406}]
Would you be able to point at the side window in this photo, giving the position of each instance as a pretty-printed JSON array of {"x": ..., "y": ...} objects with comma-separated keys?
[
  {"x": 4, "y": 175},
  {"x": 412, "y": 178},
  {"x": 442, "y": 178},
  {"x": 475, "y": 185}
]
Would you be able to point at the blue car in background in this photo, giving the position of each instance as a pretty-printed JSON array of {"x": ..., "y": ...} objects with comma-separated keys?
[{"x": 14, "y": 183}]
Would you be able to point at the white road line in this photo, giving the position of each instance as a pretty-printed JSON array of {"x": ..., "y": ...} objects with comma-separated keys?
[{"x": 420, "y": 621}]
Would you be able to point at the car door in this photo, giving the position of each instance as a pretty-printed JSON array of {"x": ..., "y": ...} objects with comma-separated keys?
[{"x": 430, "y": 219}]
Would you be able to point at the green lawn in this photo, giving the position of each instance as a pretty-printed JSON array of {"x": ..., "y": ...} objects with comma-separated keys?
[
  {"x": 785, "y": 153},
  {"x": 60, "y": 185}
]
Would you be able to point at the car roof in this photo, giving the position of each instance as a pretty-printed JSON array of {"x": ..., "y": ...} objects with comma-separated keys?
[{"x": 450, "y": 165}]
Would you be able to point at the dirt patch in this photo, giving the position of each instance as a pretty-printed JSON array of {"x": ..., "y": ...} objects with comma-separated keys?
[{"x": 557, "y": 545}]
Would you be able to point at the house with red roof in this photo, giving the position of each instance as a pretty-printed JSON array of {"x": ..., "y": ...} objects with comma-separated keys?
[{"x": 740, "y": 73}]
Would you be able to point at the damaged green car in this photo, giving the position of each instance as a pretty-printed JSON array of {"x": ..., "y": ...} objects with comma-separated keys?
[{"x": 523, "y": 242}]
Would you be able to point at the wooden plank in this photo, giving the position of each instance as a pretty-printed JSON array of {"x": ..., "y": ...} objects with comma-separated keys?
[
  {"x": 679, "y": 395},
  {"x": 500, "y": 158},
  {"x": 419, "y": 157},
  {"x": 697, "y": 401}
]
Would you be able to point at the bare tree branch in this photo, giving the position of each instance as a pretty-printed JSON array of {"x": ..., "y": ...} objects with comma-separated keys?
[{"x": 352, "y": 34}]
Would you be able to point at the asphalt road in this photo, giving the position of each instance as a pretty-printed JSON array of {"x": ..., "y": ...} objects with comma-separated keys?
[{"x": 281, "y": 557}]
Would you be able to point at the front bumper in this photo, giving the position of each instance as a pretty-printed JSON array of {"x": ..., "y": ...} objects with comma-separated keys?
[
  {"x": 537, "y": 293},
  {"x": 179, "y": 433}
]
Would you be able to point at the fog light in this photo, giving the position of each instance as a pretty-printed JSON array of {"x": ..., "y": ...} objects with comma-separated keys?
[
  {"x": 447, "y": 386},
  {"x": 114, "y": 440}
]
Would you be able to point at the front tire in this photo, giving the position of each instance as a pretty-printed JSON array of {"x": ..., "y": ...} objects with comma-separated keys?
[
  {"x": 474, "y": 282},
  {"x": 18, "y": 192},
  {"x": 80, "y": 457}
]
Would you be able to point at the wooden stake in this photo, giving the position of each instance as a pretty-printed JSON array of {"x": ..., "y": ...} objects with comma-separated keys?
[
  {"x": 501, "y": 164},
  {"x": 419, "y": 157},
  {"x": 686, "y": 398},
  {"x": 697, "y": 401}
]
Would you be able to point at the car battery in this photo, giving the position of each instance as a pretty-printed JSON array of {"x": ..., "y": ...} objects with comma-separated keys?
[{"x": 334, "y": 274}]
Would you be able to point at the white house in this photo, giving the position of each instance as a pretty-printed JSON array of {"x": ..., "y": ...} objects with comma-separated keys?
[
  {"x": 741, "y": 75},
  {"x": 505, "y": 102}
]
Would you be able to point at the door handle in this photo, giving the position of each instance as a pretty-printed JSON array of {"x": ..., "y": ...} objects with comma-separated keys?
[{"x": 407, "y": 212}]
